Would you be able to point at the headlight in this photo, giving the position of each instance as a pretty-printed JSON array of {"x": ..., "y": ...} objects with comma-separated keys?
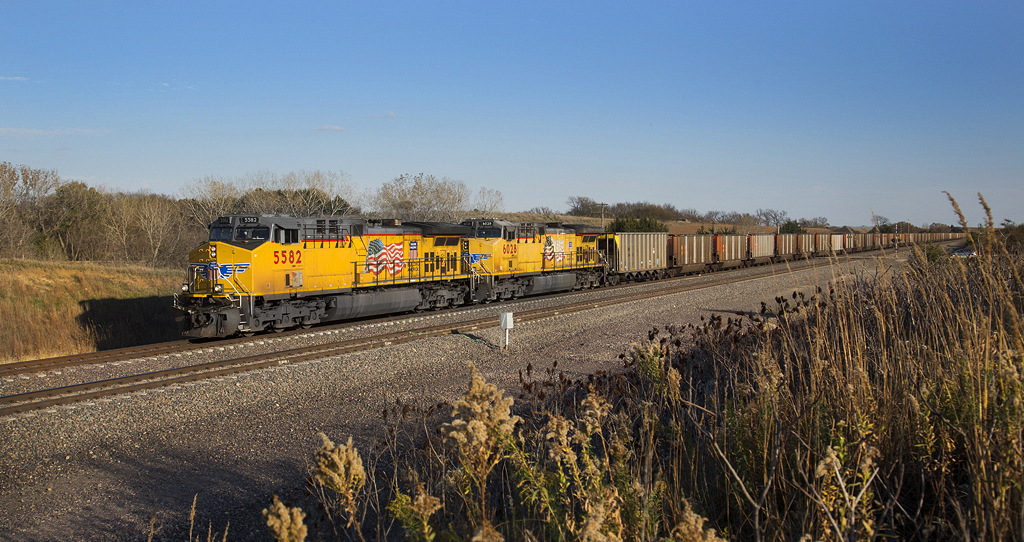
[
  {"x": 184, "y": 287},
  {"x": 213, "y": 251},
  {"x": 218, "y": 289}
]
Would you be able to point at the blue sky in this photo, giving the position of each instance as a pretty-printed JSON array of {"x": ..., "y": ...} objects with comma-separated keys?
[{"x": 832, "y": 109}]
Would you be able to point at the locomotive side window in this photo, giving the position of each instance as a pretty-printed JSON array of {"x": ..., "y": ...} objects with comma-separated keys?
[
  {"x": 446, "y": 241},
  {"x": 285, "y": 236},
  {"x": 220, "y": 233}
]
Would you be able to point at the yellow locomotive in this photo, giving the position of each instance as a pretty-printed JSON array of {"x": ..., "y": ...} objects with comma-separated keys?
[{"x": 274, "y": 272}]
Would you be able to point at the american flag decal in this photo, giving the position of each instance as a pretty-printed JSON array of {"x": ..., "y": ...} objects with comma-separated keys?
[{"x": 381, "y": 257}]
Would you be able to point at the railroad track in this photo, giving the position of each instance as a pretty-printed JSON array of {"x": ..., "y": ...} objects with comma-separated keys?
[{"x": 52, "y": 397}]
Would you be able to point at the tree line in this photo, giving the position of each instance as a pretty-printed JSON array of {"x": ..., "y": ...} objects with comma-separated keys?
[
  {"x": 50, "y": 218},
  {"x": 47, "y": 217},
  {"x": 666, "y": 212},
  {"x": 646, "y": 215}
]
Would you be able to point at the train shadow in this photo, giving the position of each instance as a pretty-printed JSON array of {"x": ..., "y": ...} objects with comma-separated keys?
[{"x": 119, "y": 323}]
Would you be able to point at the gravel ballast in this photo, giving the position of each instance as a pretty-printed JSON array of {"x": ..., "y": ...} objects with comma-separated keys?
[{"x": 101, "y": 470}]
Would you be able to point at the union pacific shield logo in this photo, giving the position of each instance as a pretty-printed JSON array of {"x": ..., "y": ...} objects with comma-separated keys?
[
  {"x": 215, "y": 271},
  {"x": 226, "y": 270},
  {"x": 475, "y": 257}
]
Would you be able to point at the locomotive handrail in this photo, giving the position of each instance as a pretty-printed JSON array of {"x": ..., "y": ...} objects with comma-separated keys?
[
  {"x": 484, "y": 266},
  {"x": 252, "y": 298}
]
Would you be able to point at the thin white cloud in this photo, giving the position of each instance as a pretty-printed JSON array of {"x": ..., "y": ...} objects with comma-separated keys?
[
  {"x": 13, "y": 78},
  {"x": 330, "y": 128},
  {"x": 25, "y": 132},
  {"x": 388, "y": 115},
  {"x": 165, "y": 87}
]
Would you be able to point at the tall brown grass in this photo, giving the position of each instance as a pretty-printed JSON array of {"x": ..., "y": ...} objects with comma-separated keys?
[
  {"x": 891, "y": 406},
  {"x": 53, "y": 309}
]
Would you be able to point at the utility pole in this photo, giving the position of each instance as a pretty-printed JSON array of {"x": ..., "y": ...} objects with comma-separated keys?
[{"x": 603, "y": 205}]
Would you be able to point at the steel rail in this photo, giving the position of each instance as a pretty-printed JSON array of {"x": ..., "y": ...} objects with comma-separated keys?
[
  {"x": 212, "y": 369},
  {"x": 42, "y": 399},
  {"x": 8, "y": 370}
]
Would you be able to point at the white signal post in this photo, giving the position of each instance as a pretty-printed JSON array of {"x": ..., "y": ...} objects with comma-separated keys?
[{"x": 505, "y": 323}]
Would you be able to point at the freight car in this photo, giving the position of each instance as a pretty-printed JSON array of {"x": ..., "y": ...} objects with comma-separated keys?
[{"x": 260, "y": 272}]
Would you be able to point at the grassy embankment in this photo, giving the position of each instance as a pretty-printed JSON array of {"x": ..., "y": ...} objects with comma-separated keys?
[
  {"x": 887, "y": 407},
  {"x": 54, "y": 309}
]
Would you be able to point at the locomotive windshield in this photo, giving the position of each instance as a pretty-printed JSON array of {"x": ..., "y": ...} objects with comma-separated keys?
[
  {"x": 247, "y": 234},
  {"x": 488, "y": 232},
  {"x": 220, "y": 233}
]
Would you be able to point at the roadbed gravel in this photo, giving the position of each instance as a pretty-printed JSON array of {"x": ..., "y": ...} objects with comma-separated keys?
[{"x": 101, "y": 470}]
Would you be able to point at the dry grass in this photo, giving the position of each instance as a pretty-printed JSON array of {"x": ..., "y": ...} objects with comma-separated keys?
[{"x": 54, "y": 309}]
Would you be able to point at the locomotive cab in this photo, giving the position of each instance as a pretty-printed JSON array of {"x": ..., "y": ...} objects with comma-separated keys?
[{"x": 249, "y": 261}]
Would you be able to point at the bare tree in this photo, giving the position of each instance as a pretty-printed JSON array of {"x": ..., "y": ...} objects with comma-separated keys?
[
  {"x": 689, "y": 214},
  {"x": 542, "y": 211},
  {"x": 643, "y": 210},
  {"x": 210, "y": 197},
  {"x": 159, "y": 224},
  {"x": 583, "y": 206},
  {"x": 489, "y": 202},
  {"x": 422, "y": 197},
  {"x": 714, "y": 217},
  {"x": 299, "y": 193},
  {"x": 816, "y": 222},
  {"x": 34, "y": 187},
  {"x": 772, "y": 217},
  {"x": 74, "y": 217},
  {"x": 12, "y": 232},
  {"x": 8, "y": 190},
  {"x": 120, "y": 223}
]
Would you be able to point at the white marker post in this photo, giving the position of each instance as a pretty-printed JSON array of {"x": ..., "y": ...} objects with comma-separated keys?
[{"x": 505, "y": 323}]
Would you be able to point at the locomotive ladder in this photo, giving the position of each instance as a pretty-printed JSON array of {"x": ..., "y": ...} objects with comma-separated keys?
[
  {"x": 252, "y": 300},
  {"x": 474, "y": 277}
]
